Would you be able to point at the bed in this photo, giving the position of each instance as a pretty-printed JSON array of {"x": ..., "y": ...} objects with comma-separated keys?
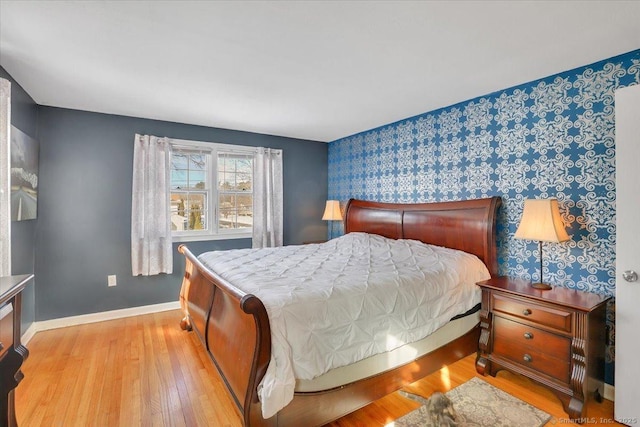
[{"x": 234, "y": 325}]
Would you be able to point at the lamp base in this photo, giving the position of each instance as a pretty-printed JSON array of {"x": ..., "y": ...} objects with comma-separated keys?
[{"x": 541, "y": 286}]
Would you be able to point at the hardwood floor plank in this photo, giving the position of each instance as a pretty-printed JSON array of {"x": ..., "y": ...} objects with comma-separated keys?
[{"x": 146, "y": 371}]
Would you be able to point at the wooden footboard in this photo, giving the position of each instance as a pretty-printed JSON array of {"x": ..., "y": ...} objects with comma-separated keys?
[{"x": 234, "y": 328}]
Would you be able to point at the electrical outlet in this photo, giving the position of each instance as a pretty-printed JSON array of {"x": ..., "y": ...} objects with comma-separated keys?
[{"x": 111, "y": 280}]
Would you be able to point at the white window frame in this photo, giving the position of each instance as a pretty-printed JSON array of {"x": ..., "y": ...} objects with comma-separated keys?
[{"x": 213, "y": 232}]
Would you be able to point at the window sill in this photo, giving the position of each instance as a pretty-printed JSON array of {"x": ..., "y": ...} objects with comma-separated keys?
[{"x": 207, "y": 237}]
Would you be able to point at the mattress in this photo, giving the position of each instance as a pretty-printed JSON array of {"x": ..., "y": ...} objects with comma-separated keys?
[{"x": 336, "y": 303}]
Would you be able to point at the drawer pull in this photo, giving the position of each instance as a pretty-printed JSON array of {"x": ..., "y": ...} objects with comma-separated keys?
[
  {"x": 527, "y": 358},
  {"x": 528, "y": 336},
  {"x": 526, "y": 312}
]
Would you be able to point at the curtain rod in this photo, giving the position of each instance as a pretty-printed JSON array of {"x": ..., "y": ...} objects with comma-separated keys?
[{"x": 194, "y": 145}]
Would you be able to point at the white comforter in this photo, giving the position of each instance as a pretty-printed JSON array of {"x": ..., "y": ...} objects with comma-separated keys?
[{"x": 335, "y": 303}]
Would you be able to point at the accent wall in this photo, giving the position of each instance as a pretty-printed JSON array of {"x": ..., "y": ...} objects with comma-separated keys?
[{"x": 553, "y": 137}]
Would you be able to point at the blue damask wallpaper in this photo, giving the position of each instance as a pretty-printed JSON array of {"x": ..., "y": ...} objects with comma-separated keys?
[{"x": 549, "y": 138}]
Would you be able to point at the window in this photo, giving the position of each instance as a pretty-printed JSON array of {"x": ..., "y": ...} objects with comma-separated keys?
[{"x": 211, "y": 191}]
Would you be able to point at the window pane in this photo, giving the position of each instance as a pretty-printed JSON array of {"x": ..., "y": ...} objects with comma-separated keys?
[
  {"x": 189, "y": 189},
  {"x": 244, "y": 168},
  {"x": 244, "y": 165},
  {"x": 226, "y": 211},
  {"x": 235, "y": 200},
  {"x": 227, "y": 182},
  {"x": 178, "y": 179},
  {"x": 235, "y": 211},
  {"x": 226, "y": 163},
  {"x": 196, "y": 211},
  {"x": 243, "y": 182},
  {"x": 179, "y": 161},
  {"x": 197, "y": 162},
  {"x": 245, "y": 209},
  {"x": 197, "y": 179},
  {"x": 178, "y": 212},
  {"x": 235, "y": 172},
  {"x": 224, "y": 184}
]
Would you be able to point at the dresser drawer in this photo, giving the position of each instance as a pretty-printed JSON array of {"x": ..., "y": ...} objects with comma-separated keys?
[
  {"x": 6, "y": 328},
  {"x": 543, "y": 315},
  {"x": 543, "y": 352}
]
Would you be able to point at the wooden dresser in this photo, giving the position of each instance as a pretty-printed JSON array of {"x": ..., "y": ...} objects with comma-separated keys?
[
  {"x": 12, "y": 352},
  {"x": 555, "y": 337}
]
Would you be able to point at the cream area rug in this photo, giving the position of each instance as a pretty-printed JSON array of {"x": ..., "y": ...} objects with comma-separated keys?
[{"x": 478, "y": 403}]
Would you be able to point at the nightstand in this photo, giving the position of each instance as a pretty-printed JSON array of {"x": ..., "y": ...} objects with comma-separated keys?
[{"x": 554, "y": 337}]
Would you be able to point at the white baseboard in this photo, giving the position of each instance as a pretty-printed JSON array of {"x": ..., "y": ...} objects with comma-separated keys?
[
  {"x": 82, "y": 319},
  {"x": 609, "y": 392},
  {"x": 28, "y": 334}
]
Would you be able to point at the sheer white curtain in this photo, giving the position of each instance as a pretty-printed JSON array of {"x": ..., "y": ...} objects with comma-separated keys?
[
  {"x": 151, "y": 251},
  {"x": 267, "y": 198},
  {"x": 5, "y": 178}
]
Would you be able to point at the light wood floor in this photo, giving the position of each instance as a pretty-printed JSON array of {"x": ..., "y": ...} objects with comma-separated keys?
[{"x": 146, "y": 371}]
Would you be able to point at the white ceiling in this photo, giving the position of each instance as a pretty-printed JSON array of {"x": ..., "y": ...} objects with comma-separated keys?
[{"x": 317, "y": 70}]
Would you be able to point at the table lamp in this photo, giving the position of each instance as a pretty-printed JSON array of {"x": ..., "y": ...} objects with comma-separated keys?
[
  {"x": 332, "y": 213},
  {"x": 541, "y": 221}
]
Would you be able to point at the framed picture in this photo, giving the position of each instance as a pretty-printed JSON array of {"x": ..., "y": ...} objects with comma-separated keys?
[{"x": 24, "y": 176}]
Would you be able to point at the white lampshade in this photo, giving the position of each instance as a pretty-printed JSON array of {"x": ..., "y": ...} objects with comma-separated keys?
[
  {"x": 332, "y": 211},
  {"x": 541, "y": 221}
]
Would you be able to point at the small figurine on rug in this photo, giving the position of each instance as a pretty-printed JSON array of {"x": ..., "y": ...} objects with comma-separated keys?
[
  {"x": 438, "y": 407},
  {"x": 441, "y": 410}
]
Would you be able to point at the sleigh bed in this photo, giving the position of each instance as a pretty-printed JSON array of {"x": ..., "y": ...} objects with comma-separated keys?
[{"x": 234, "y": 326}]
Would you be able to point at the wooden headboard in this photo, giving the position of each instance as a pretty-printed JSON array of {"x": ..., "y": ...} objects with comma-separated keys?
[{"x": 468, "y": 225}]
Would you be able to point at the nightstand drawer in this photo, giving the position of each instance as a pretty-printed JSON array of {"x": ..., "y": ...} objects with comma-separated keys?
[
  {"x": 510, "y": 333},
  {"x": 540, "y": 361},
  {"x": 554, "y": 318}
]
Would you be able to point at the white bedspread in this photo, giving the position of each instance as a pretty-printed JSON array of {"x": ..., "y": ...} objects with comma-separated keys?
[{"x": 338, "y": 302}]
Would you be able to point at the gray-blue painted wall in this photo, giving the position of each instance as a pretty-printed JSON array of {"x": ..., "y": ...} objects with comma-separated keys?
[
  {"x": 84, "y": 207},
  {"x": 84, "y": 212}
]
